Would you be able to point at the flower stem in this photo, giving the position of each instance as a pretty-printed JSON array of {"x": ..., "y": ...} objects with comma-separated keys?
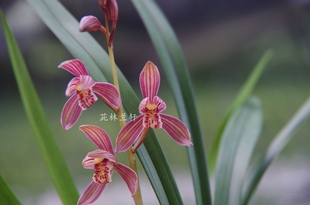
[{"x": 131, "y": 155}]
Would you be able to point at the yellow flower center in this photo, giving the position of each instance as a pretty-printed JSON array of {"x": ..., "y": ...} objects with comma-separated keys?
[
  {"x": 79, "y": 87},
  {"x": 151, "y": 106},
  {"x": 97, "y": 160}
]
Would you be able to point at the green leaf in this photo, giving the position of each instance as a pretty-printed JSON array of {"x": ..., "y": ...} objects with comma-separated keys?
[
  {"x": 50, "y": 152},
  {"x": 6, "y": 194},
  {"x": 173, "y": 62},
  {"x": 242, "y": 96},
  {"x": 84, "y": 47},
  {"x": 274, "y": 149},
  {"x": 243, "y": 126},
  {"x": 246, "y": 146}
]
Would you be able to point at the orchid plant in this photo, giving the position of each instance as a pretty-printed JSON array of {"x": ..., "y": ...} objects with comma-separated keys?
[
  {"x": 82, "y": 88},
  {"x": 234, "y": 142}
]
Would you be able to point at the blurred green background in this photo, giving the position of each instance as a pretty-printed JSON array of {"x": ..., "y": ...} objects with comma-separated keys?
[{"x": 222, "y": 42}]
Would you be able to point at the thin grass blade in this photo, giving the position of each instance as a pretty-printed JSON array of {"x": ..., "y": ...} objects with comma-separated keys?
[
  {"x": 49, "y": 150},
  {"x": 242, "y": 96},
  {"x": 274, "y": 149}
]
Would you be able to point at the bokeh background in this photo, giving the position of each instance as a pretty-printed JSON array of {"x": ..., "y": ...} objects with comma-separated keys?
[{"x": 222, "y": 41}]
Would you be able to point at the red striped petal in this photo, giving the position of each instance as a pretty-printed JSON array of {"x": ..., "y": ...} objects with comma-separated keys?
[
  {"x": 128, "y": 134},
  {"x": 149, "y": 80},
  {"x": 129, "y": 176},
  {"x": 91, "y": 193},
  {"x": 70, "y": 113},
  {"x": 98, "y": 153},
  {"x": 176, "y": 129},
  {"x": 74, "y": 66},
  {"x": 98, "y": 136},
  {"x": 71, "y": 88},
  {"x": 108, "y": 93},
  {"x": 88, "y": 163}
]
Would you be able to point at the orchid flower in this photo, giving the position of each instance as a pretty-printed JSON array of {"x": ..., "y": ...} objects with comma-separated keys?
[
  {"x": 103, "y": 161},
  {"x": 151, "y": 115},
  {"x": 81, "y": 89}
]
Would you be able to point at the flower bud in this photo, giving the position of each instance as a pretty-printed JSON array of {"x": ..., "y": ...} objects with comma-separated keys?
[
  {"x": 89, "y": 24},
  {"x": 110, "y": 8}
]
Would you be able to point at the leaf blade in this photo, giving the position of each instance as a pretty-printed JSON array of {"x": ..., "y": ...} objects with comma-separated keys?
[
  {"x": 241, "y": 97},
  {"x": 50, "y": 152},
  {"x": 274, "y": 149},
  {"x": 6, "y": 194},
  {"x": 238, "y": 127}
]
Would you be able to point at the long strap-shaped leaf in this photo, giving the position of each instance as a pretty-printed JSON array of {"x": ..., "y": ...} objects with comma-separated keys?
[
  {"x": 84, "y": 47},
  {"x": 6, "y": 194},
  {"x": 244, "y": 153},
  {"x": 49, "y": 150},
  {"x": 243, "y": 125},
  {"x": 242, "y": 96},
  {"x": 275, "y": 148},
  {"x": 173, "y": 61}
]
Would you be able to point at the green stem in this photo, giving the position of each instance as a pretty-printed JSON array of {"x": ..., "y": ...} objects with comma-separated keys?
[{"x": 131, "y": 155}]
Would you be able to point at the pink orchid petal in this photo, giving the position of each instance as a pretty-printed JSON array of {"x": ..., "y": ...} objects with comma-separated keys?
[
  {"x": 75, "y": 66},
  {"x": 109, "y": 94},
  {"x": 86, "y": 82},
  {"x": 98, "y": 153},
  {"x": 71, "y": 88},
  {"x": 142, "y": 105},
  {"x": 89, "y": 23},
  {"x": 161, "y": 105},
  {"x": 128, "y": 134},
  {"x": 91, "y": 193},
  {"x": 176, "y": 129},
  {"x": 149, "y": 80},
  {"x": 98, "y": 136},
  {"x": 129, "y": 176},
  {"x": 70, "y": 113},
  {"x": 88, "y": 162}
]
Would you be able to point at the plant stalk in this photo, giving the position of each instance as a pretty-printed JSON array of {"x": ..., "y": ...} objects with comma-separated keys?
[{"x": 131, "y": 155}]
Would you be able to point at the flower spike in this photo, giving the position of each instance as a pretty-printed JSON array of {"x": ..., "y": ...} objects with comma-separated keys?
[
  {"x": 82, "y": 89},
  {"x": 151, "y": 116},
  {"x": 103, "y": 161}
]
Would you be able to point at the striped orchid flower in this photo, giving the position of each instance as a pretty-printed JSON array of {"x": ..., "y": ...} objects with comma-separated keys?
[
  {"x": 151, "y": 115},
  {"x": 103, "y": 161},
  {"x": 81, "y": 89}
]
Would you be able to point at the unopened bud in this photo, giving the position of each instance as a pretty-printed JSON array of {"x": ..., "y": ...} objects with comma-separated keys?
[
  {"x": 110, "y": 8},
  {"x": 89, "y": 24}
]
